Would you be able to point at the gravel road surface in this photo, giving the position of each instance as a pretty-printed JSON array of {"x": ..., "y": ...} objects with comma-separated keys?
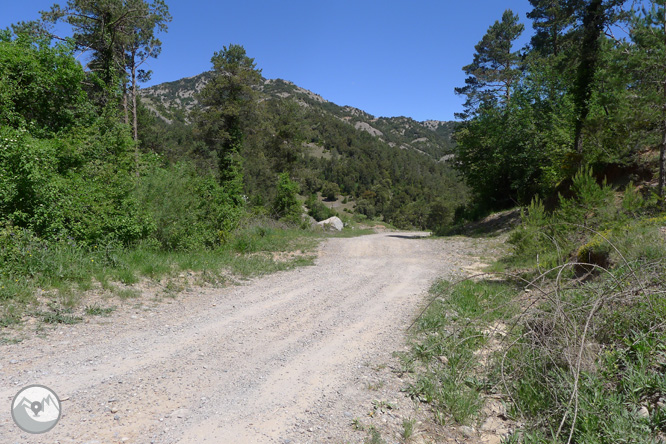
[{"x": 284, "y": 358}]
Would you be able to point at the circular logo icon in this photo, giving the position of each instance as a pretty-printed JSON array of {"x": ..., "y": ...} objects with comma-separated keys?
[{"x": 36, "y": 409}]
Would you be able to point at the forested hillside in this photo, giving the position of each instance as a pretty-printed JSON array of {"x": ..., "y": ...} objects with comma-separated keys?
[
  {"x": 392, "y": 168},
  {"x": 104, "y": 148}
]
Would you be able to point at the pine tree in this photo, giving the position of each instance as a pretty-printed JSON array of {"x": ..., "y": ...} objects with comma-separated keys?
[
  {"x": 552, "y": 21},
  {"x": 110, "y": 30},
  {"x": 494, "y": 70},
  {"x": 226, "y": 102},
  {"x": 648, "y": 62}
]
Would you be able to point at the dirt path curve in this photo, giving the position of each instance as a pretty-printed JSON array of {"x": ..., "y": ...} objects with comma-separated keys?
[{"x": 277, "y": 360}]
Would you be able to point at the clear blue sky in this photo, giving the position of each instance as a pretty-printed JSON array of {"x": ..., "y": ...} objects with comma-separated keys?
[{"x": 387, "y": 57}]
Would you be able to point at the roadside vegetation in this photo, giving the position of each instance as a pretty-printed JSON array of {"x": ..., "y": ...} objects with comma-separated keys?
[
  {"x": 48, "y": 279},
  {"x": 90, "y": 199},
  {"x": 567, "y": 330}
]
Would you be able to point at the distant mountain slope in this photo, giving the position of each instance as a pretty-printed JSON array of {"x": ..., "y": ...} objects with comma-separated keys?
[
  {"x": 174, "y": 100},
  {"x": 393, "y": 168}
]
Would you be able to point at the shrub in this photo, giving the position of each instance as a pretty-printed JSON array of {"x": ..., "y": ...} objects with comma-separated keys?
[
  {"x": 570, "y": 230},
  {"x": 595, "y": 253},
  {"x": 317, "y": 210},
  {"x": 40, "y": 85},
  {"x": 186, "y": 210},
  {"x": 286, "y": 205},
  {"x": 330, "y": 191}
]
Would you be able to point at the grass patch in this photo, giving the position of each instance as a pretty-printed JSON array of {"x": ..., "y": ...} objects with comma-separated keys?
[
  {"x": 448, "y": 334},
  {"x": 374, "y": 436},
  {"x": 408, "y": 428},
  {"x": 127, "y": 293},
  {"x": 58, "y": 315},
  {"x": 375, "y": 386},
  {"x": 588, "y": 360},
  {"x": 97, "y": 310},
  {"x": 576, "y": 360}
]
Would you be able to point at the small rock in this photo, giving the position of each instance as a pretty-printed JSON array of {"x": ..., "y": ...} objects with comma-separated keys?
[
  {"x": 116, "y": 417},
  {"x": 467, "y": 431},
  {"x": 13, "y": 361},
  {"x": 643, "y": 412},
  {"x": 491, "y": 439},
  {"x": 443, "y": 359},
  {"x": 181, "y": 413},
  {"x": 114, "y": 410}
]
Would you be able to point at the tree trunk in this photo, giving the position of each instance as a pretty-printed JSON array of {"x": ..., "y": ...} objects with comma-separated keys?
[
  {"x": 134, "y": 116},
  {"x": 134, "y": 110},
  {"x": 593, "y": 23},
  {"x": 662, "y": 161},
  {"x": 125, "y": 105},
  {"x": 662, "y": 148}
]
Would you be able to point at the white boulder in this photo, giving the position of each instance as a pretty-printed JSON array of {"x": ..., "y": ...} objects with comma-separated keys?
[{"x": 332, "y": 223}]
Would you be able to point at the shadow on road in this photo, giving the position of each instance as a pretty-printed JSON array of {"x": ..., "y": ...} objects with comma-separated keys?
[{"x": 414, "y": 236}]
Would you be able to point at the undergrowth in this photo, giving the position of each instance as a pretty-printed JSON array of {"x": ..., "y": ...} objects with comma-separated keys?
[
  {"x": 572, "y": 338},
  {"x": 445, "y": 353}
]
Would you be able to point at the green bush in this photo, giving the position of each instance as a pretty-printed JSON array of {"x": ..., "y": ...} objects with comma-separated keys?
[
  {"x": 186, "y": 211},
  {"x": 41, "y": 86},
  {"x": 440, "y": 217},
  {"x": 330, "y": 191},
  {"x": 79, "y": 185},
  {"x": 29, "y": 188},
  {"x": 317, "y": 210},
  {"x": 286, "y": 205},
  {"x": 591, "y": 203},
  {"x": 572, "y": 230}
]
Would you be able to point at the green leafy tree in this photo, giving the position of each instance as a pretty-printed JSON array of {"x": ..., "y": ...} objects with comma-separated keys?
[
  {"x": 40, "y": 85},
  {"x": 287, "y": 205},
  {"x": 226, "y": 101},
  {"x": 330, "y": 191},
  {"x": 119, "y": 34}
]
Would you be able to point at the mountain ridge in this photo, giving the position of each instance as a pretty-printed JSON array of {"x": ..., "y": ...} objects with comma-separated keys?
[{"x": 174, "y": 100}]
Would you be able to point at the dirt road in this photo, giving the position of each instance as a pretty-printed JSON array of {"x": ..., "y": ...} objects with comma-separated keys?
[{"x": 281, "y": 359}]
